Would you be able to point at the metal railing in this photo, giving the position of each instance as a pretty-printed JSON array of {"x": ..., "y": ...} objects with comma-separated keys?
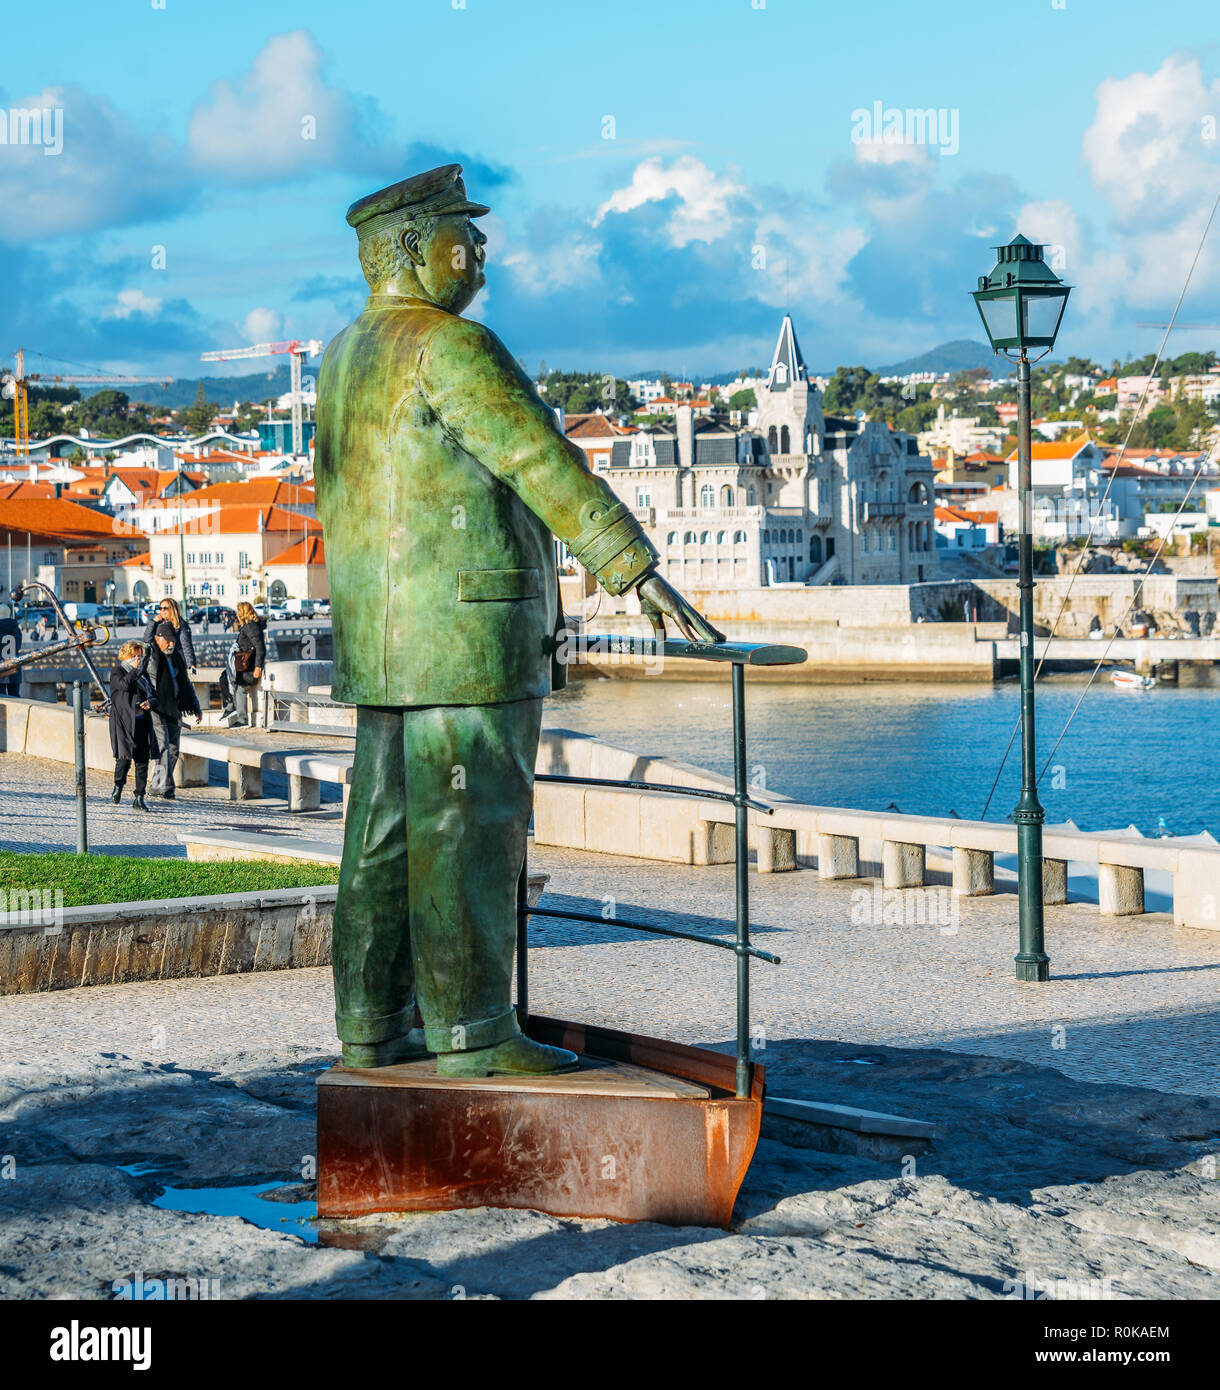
[{"x": 740, "y": 655}]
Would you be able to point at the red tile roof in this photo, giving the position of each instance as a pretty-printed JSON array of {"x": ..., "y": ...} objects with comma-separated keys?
[
  {"x": 259, "y": 492},
  {"x": 244, "y": 520},
  {"x": 56, "y": 516},
  {"x": 26, "y": 490},
  {"x": 311, "y": 551}
]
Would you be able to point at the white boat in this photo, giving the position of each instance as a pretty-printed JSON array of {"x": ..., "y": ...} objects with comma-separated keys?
[{"x": 1131, "y": 680}]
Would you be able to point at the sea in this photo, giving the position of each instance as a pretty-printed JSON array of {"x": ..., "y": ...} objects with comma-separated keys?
[{"x": 1147, "y": 758}]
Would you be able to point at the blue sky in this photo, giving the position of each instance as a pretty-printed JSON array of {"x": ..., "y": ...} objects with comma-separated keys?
[{"x": 732, "y": 184}]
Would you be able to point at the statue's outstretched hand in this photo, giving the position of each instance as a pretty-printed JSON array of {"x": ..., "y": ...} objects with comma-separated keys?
[{"x": 660, "y": 600}]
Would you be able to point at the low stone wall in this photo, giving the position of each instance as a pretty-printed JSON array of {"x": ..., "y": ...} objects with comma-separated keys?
[
  {"x": 852, "y": 605},
  {"x": 171, "y": 938},
  {"x": 1108, "y": 598},
  {"x": 837, "y": 654}
]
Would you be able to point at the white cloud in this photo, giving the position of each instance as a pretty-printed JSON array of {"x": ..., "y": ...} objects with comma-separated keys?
[
  {"x": 130, "y": 302},
  {"x": 94, "y": 169},
  {"x": 704, "y": 212},
  {"x": 805, "y": 259},
  {"x": 280, "y": 117},
  {"x": 1148, "y": 149},
  {"x": 896, "y": 152},
  {"x": 262, "y": 326},
  {"x": 540, "y": 270}
]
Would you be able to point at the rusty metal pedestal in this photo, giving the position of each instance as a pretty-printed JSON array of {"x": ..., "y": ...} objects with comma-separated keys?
[{"x": 645, "y": 1130}]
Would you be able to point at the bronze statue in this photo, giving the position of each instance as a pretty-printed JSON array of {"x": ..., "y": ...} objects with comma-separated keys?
[{"x": 441, "y": 476}]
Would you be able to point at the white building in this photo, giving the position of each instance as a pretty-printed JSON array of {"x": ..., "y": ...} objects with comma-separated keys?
[
  {"x": 798, "y": 499},
  {"x": 224, "y": 554}
]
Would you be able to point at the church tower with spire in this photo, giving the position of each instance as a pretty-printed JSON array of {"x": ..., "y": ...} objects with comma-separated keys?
[{"x": 790, "y": 416}]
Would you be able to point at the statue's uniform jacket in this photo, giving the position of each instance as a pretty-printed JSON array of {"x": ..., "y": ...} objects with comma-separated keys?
[{"x": 440, "y": 478}]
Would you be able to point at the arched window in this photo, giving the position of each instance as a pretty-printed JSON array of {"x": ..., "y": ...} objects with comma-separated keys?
[
  {"x": 739, "y": 538},
  {"x": 706, "y": 538},
  {"x": 799, "y": 535},
  {"x": 772, "y": 441},
  {"x": 672, "y": 538},
  {"x": 721, "y": 537},
  {"x": 781, "y": 374},
  {"x": 767, "y": 537},
  {"x": 707, "y": 495},
  {"x": 726, "y": 496},
  {"x": 918, "y": 493},
  {"x": 688, "y": 538},
  {"x": 815, "y": 550},
  {"x": 749, "y": 497},
  {"x": 784, "y": 440}
]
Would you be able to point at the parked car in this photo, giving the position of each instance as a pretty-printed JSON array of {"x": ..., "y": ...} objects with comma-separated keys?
[
  {"x": 321, "y": 608},
  {"x": 213, "y": 613}
]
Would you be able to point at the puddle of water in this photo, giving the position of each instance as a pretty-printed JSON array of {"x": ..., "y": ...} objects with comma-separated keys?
[{"x": 293, "y": 1218}]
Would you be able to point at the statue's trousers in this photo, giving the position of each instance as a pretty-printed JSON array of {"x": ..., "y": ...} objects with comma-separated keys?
[{"x": 437, "y": 819}]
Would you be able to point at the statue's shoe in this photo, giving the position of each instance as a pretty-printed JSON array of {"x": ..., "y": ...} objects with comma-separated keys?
[
  {"x": 385, "y": 1054},
  {"x": 518, "y": 1056}
]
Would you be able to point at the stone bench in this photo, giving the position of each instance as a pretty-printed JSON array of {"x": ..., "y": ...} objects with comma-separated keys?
[{"x": 306, "y": 770}]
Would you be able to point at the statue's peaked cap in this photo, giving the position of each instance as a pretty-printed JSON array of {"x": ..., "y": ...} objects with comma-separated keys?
[{"x": 431, "y": 194}]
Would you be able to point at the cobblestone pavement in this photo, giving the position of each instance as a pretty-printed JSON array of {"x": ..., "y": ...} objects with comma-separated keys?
[
  {"x": 1131, "y": 1000},
  {"x": 38, "y": 812}
]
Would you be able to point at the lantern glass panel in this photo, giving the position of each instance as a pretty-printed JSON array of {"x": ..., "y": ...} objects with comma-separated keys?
[
  {"x": 1041, "y": 315},
  {"x": 1000, "y": 318}
]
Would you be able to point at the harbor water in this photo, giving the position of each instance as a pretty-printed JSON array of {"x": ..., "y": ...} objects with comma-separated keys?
[{"x": 1130, "y": 757}]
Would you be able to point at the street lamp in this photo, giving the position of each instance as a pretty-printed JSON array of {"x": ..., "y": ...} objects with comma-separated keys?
[{"x": 1021, "y": 304}]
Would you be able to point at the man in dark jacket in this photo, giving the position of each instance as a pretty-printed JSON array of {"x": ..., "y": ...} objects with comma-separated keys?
[
  {"x": 131, "y": 702},
  {"x": 169, "y": 612},
  {"x": 174, "y": 697}
]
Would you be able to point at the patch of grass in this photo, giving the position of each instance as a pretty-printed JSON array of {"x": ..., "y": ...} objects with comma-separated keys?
[{"x": 114, "y": 878}]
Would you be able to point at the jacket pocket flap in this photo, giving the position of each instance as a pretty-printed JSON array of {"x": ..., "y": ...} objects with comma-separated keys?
[{"x": 482, "y": 586}]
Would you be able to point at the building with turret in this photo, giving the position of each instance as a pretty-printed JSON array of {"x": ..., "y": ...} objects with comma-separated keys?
[{"x": 800, "y": 498}]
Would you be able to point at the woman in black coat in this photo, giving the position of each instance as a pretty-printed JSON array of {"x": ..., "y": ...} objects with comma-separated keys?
[
  {"x": 131, "y": 704},
  {"x": 235, "y": 689}
]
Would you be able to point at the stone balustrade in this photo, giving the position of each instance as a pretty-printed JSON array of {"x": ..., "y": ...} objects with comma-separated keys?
[
  {"x": 840, "y": 843},
  {"x": 660, "y": 826}
]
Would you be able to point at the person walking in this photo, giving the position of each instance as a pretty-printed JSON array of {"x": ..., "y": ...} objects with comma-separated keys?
[
  {"x": 10, "y": 647},
  {"x": 131, "y": 702},
  {"x": 173, "y": 698},
  {"x": 244, "y": 667},
  {"x": 169, "y": 612}
]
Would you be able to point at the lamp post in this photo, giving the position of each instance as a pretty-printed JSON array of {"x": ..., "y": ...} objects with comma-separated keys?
[{"x": 1021, "y": 304}]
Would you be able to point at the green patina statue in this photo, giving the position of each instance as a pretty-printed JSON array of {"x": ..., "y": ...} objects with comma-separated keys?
[{"x": 441, "y": 480}]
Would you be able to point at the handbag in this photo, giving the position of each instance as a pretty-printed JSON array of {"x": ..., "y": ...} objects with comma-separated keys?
[{"x": 243, "y": 661}]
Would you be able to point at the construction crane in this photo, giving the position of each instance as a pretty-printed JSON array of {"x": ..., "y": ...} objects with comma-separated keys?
[
  {"x": 298, "y": 350},
  {"x": 15, "y": 387}
]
